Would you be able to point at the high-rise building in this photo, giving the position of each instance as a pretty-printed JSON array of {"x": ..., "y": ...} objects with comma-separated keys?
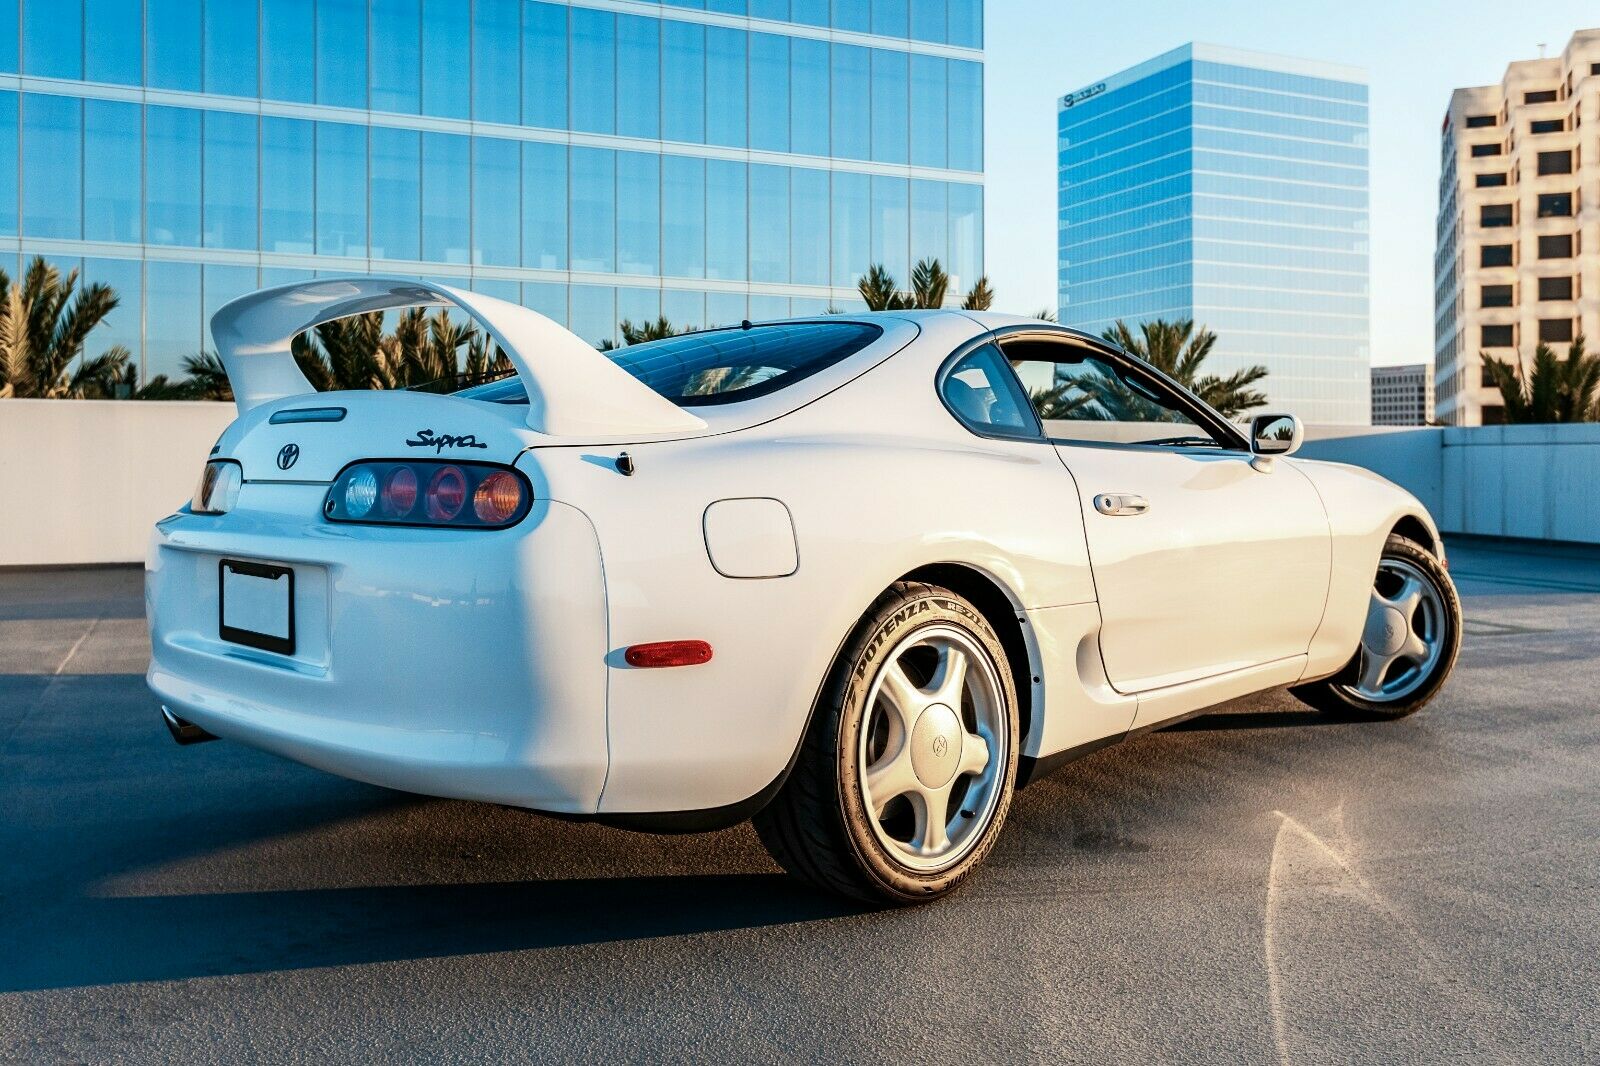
[
  {"x": 1402, "y": 395},
  {"x": 595, "y": 159},
  {"x": 1228, "y": 187},
  {"x": 1517, "y": 263}
]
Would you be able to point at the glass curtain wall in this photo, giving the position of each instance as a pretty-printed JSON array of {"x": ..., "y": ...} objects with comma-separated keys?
[
  {"x": 591, "y": 163},
  {"x": 1198, "y": 187}
]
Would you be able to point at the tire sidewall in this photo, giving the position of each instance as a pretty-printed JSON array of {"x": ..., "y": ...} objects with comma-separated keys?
[{"x": 885, "y": 632}]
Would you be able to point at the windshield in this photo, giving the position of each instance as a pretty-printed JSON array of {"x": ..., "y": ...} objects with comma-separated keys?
[{"x": 721, "y": 365}]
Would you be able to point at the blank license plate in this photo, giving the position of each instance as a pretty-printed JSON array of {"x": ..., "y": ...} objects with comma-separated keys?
[{"x": 256, "y": 603}]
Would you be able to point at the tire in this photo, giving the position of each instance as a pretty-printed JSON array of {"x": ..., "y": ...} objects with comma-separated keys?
[
  {"x": 876, "y": 836},
  {"x": 1397, "y": 692}
]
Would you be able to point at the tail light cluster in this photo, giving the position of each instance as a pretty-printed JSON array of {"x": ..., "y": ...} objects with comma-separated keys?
[
  {"x": 219, "y": 487},
  {"x": 458, "y": 495}
]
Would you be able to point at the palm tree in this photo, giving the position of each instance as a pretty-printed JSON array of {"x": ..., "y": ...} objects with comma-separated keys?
[
  {"x": 980, "y": 297},
  {"x": 929, "y": 286},
  {"x": 424, "y": 352},
  {"x": 341, "y": 354},
  {"x": 44, "y": 323},
  {"x": 206, "y": 377},
  {"x": 639, "y": 333},
  {"x": 1179, "y": 349},
  {"x": 1553, "y": 389}
]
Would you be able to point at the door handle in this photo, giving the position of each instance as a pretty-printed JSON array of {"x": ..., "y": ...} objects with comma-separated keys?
[{"x": 1120, "y": 503}]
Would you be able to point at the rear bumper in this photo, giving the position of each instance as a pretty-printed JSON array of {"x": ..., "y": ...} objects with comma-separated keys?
[{"x": 467, "y": 664}]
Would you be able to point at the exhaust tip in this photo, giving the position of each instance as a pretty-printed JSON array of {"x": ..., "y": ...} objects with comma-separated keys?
[{"x": 185, "y": 732}]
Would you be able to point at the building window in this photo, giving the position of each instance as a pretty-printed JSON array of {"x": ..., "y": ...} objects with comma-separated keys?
[
  {"x": 1496, "y": 296},
  {"x": 1492, "y": 216},
  {"x": 1543, "y": 96},
  {"x": 1556, "y": 246},
  {"x": 1499, "y": 337},
  {"x": 1555, "y": 162},
  {"x": 1485, "y": 378},
  {"x": 1495, "y": 255},
  {"x": 1594, "y": 68},
  {"x": 1479, "y": 150},
  {"x": 1490, "y": 181},
  {"x": 1555, "y": 330},
  {"x": 1547, "y": 125},
  {"x": 1479, "y": 121},
  {"x": 1555, "y": 288},
  {"x": 1493, "y": 413},
  {"x": 1555, "y": 205}
]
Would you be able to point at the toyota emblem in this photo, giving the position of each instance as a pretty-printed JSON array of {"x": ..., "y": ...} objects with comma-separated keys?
[{"x": 287, "y": 455}]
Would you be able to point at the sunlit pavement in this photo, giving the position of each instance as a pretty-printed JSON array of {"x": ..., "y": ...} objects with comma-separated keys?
[{"x": 1261, "y": 884}]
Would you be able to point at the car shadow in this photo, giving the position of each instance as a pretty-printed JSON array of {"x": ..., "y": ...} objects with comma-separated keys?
[
  {"x": 1273, "y": 719},
  {"x": 131, "y": 859},
  {"x": 119, "y": 940}
]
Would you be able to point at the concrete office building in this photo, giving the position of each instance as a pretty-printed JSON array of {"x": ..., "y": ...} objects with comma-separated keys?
[
  {"x": 595, "y": 159},
  {"x": 1228, "y": 187},
  {"x": 1517, "y": 262},
  {"x": 1402, "y": 395}
]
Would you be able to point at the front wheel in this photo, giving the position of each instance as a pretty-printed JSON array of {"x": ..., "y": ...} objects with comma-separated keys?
[
  {"x": 1409, "y": 644},
  {"x": 906, "y": 773}
]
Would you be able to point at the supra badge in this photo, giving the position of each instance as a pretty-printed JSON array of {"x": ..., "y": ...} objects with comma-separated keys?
[
  {"x": 426, "y": 438},
  {"x": 288, "y": 455}
]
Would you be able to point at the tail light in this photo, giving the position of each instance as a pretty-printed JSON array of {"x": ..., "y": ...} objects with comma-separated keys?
[
  {"x": 455, "y": 495},
  {"x": 219, "y": 486}
]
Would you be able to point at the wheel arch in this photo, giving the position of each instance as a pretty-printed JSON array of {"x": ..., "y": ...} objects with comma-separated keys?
[
  {"x": 1412, "y": 527},
  {"x": 1001, "y": 608}
]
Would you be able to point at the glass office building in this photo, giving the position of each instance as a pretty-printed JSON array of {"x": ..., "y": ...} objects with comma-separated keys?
[
  {"x": 1231, "y": 188},
  {"x": 596, "y": 160}
]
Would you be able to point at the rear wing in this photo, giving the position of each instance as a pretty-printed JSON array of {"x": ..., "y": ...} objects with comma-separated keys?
[{"x": 573, "y": 390}]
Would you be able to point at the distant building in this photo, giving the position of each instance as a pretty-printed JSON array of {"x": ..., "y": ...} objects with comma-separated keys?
[
  {"x": 594, "y": 160},
  {"x": 1517, "y": 262},
  {"x": 1228, "y": 187},
  {"x": 1402, "y": 395}
]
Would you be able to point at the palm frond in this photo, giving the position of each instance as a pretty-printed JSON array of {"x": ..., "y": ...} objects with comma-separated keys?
[
  {"x": 877, "y": 289},
  {"x": 980, "y": 297},
  {"x": 929, "y": 283}
]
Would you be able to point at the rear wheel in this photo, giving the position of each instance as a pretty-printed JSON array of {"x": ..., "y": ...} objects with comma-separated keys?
[
  {"x": 906, "y": 773},
  {"x": 1409, "y": 644}
]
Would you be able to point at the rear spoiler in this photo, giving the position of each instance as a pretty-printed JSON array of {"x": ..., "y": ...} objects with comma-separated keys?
[{"x": 573, "y": 390}]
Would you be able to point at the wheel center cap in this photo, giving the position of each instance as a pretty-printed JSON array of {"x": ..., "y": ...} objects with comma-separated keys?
[
  {"x": 1386, "y": 631},
  {"x": 936, "y": 745}
]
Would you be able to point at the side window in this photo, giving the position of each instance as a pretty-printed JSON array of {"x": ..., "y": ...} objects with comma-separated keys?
[
  {"x": 982, "y": 392},
  {"x": 1079, "y": 395}
]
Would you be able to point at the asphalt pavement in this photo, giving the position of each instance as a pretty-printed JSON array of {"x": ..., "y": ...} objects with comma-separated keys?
[{"x": 1261, "y": 884}]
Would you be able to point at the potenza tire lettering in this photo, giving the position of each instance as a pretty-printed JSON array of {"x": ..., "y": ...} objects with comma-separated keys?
[{"x": 699, "y": 580}]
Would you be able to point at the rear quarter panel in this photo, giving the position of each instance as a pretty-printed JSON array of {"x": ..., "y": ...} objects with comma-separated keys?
[{"x": 880, "y": 480}]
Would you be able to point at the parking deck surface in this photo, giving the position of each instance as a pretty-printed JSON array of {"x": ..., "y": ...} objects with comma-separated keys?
[{"x": 1260, "y": 884}]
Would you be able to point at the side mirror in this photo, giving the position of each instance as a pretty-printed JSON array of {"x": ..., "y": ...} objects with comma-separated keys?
[{"x": 1272, "y": 436}]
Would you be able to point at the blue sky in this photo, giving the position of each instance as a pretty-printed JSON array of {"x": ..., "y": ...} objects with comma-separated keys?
[{"x": 1414, "y": 54}]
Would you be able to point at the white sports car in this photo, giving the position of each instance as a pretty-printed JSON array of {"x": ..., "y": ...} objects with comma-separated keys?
[{"x": 859, "y": 577}]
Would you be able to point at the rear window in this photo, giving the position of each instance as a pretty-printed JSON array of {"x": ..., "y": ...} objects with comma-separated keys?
[{"x": 722, "y": 365}]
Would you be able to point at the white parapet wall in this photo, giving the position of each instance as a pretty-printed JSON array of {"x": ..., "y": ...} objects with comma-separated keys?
[
  {"x": 82, "y": 481},
  {"x": 1533, "y": 482}
]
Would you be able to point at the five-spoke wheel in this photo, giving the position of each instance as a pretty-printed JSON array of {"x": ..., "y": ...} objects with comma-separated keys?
[
  {"x": 1404, "y": 634},
  {"x": 906, "y": 773},
  {"x": 1408, "y": 644},
  {"x": 929, "y": 771}
]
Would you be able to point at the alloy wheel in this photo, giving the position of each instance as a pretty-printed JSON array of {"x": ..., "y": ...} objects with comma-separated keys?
[
  {"x": 933, "y": 748},
  {"x": 1404, "y": 636}
]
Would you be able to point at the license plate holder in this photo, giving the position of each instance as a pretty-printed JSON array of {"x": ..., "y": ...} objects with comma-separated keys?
[{"x": 255, "y": 605}]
